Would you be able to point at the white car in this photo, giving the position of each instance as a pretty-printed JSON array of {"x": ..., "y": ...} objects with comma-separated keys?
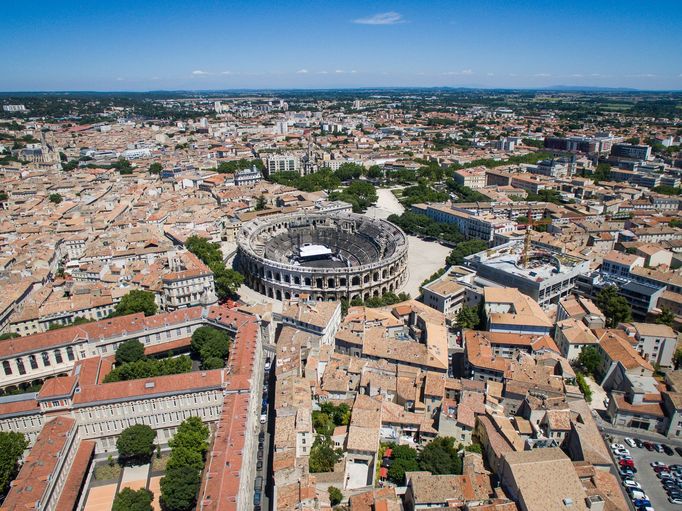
[
  {"x": 674, "y": 501},
  {"x": 655, "y": 464},
  {"x": 629, "y": 483},
  {"x": 615, "y": 447},
  {"x": 621, "y": 452},
  {"x": 263, "y": 418},
  {"x": 630, "y": 442}
]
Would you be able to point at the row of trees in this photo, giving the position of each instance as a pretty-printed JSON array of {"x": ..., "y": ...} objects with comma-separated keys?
[
  {"x": 227, "y": 281},
  {"x": 360, "y": 194},
  {"x": 421, "y": 225},
  {"x": 180, "y": 485},
  {"x": 12, "y": 447},
  {"x": 131, "y": 364},
  {"x": 440, "y": 456}
]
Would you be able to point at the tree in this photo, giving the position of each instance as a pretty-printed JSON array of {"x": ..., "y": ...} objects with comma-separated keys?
[
  {"x": 155, "y": 168},
  {"x": 185, "y": 457},
  {"x": 148, "y": 367},
  {"x": 55, "y": 198},
  {"x": 468, "y": 317},
  {"x": 677, "y": 358},
  {"x": 440, "y": 457},
  {"x": 208, "y": 252},
  {"x": 615, "y": 307},
  {"x": 335, "y": 496},
  {"x": 179, "y": 488},
  {"x": 584, "y": 387},
  {"x": 123, "y": 166},
  {"x": 130, "y": 500},
  {"x": 396, "y": 472},
  {"x": 375, "y": 172},
  {"x": 261, "y": 203},
  {"x": 322, "y": 423},
  {"x": 210, "y": 343},
  {"x": 323, "y": 456},
  {"x": 602, "y": 172},
  {"x": 9, "y": 335},
  {"x": 590, "y": 359},
  {"x": 12, "y": 447},
  {"x": 135, "y": 445},
  {"x": 464, "y": 249},
  {"x": 666, "y": 317},
  {"x": 129, "y": 351},
  {"x": 227, "y": 281},
  {"x": 136, "y": 301}
]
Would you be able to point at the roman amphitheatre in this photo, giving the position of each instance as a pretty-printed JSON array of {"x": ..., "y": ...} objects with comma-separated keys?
[{"x": 327, "y": 256}]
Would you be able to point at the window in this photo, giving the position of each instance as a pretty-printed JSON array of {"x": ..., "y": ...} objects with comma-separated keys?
[
  {"x": 58, "y": 356},
  {"x": 20, "y": 366},
  {"x": 32, "y": 360},
  {"x": 46, "y": 358},
  {"x": 7, "y": 368},
  {"x": 69, "y": 353}
]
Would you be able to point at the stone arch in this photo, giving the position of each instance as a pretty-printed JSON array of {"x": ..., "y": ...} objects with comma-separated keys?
[
  {"x": 278, "y": 294},
  {"x": 355, "y": 281}
]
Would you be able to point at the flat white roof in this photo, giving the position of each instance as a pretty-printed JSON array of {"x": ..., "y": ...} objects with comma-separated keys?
[{"x": 315, "y": 250}]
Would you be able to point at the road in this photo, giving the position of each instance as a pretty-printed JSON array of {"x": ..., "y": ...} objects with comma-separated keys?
[{"x": 387, "y": 204}]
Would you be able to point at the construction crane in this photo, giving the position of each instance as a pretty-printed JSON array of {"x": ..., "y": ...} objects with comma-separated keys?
[{"x": 527, "y": 239}]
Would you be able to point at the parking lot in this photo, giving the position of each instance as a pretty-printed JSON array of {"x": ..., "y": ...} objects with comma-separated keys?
[{"x": 646, "y": 476}]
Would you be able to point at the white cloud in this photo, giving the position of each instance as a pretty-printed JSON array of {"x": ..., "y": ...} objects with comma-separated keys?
[
  {"x": 490, "y": 74},
  {"x": 463, "y": 72},
  {"x": 323, "y": 72},
  {"x": 199, "y": 72},
  {"x": 382, "y": 18},
  {"x": 302, "y": 72},
  {"x": 226, "y": 72},
  {"x": 354, "y": 71},
  {"x": 339, "y": 71},
  {"x": 577, "y": 75},
  {"x": 542, "y": 75}
]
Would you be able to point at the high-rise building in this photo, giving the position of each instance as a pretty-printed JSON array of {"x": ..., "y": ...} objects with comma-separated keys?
[{"x": 635, "y": 152}]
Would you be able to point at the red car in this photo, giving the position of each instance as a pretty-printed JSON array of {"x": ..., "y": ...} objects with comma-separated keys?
[
  {"x": 626, "y": 463},
  {"x": 661, "y": 469}
]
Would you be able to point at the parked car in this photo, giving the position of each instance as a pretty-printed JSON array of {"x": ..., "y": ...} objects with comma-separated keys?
[
  {"x": 668, "y": 450},
  {"x": 268, "y": 364},
  {"x": 260, "y": 454},
  {"x": 641, "y": 502},
  {"x": 664, "y": 475},
  {"x": 621, "y": 452},
  {"x": 675, "y": 500},
  {"x": 659, "y": 448},
  {"x": 630, "y": 442},
  {"x": 661, "y": 469},
  {"x": 263, "y": 418},
  {"x": 259, "y": 465},
  {"x": 626, "y": 473},
  {"x": 639, "y": 443},
  {"x": 258, "y": 483},
  {"x": 257, "y": 498},
  {"x": 678, "y": 450},
  {"x": 630, "y": 483},
  {"x": 626, "y": 463},
  {"x": 261, "y": 436},
  {"x": 615, "y": 447},
  {"x": 655, "y": 464},
  {"x": 648, "y": 446}
]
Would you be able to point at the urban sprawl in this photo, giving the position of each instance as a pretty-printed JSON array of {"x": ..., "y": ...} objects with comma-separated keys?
[{"x": 361, "y": 300}]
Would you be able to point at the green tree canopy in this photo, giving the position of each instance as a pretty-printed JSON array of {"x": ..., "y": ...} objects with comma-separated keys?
[
  {"x": 210, "y": 343},
  {"x": 135, "y": 444},
  {"x": 12, "y": 447},
  {"x": 55, "y": 198},
  {"x": 136, "y": 301},
  {"x": 615, "y": 307},
  {"x": 590, "y": 359},
  {"x": 129, "y": 351},
  {"x": 335, "y": 495},
  {"x": 349, "y": 171},
  {"x": 323, "y": 456},
  {"x": 131, "y": 500},
  {"x": 468, "y": 317},
  {"x": 155, "y": 168},
  {"x": 179, "y": 488},
  {"x": 666, "y": 317},
  {"x": 440, "y": 457},
  {"x": 464, "y": 249},
  {"x": 149, "y": 367}
]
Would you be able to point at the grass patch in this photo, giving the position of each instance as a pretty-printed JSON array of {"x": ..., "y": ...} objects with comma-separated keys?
[
  {"x": 159, "y": 464},
  {"x": 106, "y": 472}
]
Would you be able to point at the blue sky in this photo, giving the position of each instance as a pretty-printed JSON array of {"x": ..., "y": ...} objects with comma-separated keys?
[{"x": 197, "y": 44}]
